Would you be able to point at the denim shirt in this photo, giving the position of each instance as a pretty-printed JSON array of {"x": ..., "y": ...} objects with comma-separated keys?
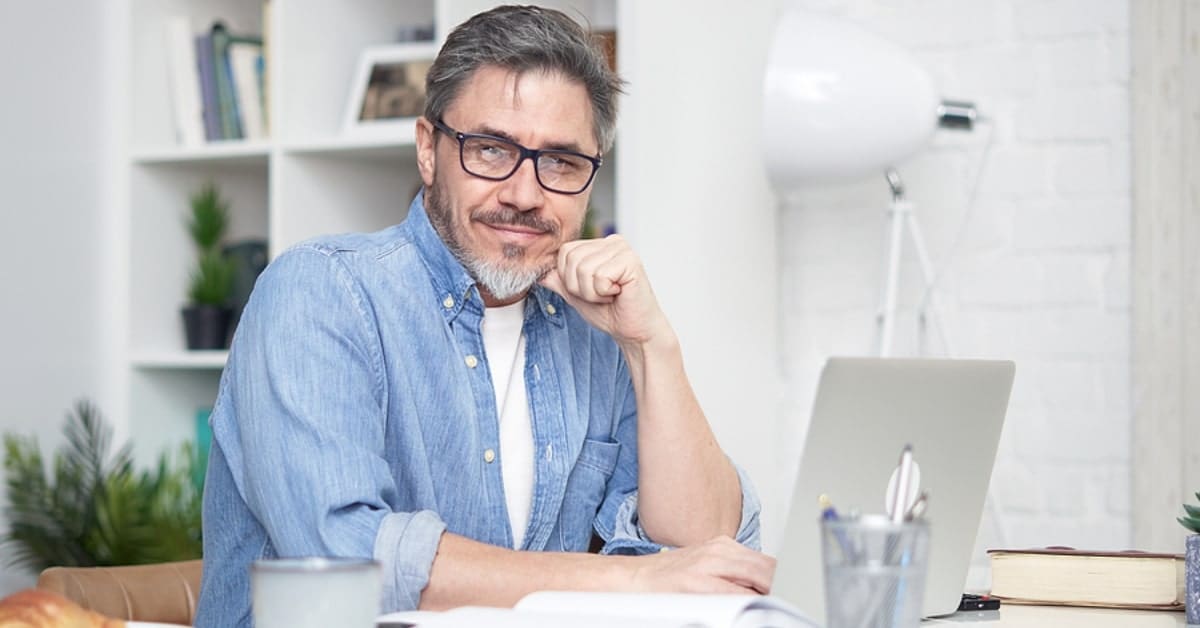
[{"x": 356, "y": 418}]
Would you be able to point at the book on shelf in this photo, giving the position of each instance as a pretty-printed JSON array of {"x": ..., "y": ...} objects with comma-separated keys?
[
  {"x": 554, "y": 609},
  {"x": 184, "y": 82},
  {"x": 1071, "y": 577},
  {"x": 217, "y": 83},
  {"x": 245, "y": 68},
  {"x": 208, "y": 88},
  {"x": 228, "y": 101}
]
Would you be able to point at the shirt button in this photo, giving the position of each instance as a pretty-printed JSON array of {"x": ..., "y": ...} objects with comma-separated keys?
[
  {"x": 471, "y": 361},
  {"x": 489, "y": 455},
  {"x": 448, "y": 302},
  {"x": 550, "y": 309}
]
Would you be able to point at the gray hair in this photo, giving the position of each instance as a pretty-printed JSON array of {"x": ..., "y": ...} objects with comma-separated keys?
[{"x": 521, "y": 39}]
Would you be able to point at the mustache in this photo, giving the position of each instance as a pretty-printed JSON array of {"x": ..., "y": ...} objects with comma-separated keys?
[{"x": 515, "y": 218}]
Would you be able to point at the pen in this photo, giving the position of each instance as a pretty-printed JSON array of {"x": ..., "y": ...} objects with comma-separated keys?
[
  {"x": 917, "y": 510},
  {"x": 900, "y": 504},
  {"x": 830, "y": 514}
]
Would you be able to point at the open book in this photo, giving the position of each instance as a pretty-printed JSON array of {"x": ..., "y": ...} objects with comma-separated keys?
[{"x": 554, "y": 609}]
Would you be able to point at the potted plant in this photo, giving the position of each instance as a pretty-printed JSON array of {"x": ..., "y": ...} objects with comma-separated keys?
[
  {"x": 1191, "y": 521},
  {"x": 93, "y": 508},
  {"x": 207, "y": 314}
]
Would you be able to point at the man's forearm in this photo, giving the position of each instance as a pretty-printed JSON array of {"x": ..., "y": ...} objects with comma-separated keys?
[
  {"x": 688, "y": 491},
  {"x": 466, "y": 572},
  {"x": 469, "y": 572}
]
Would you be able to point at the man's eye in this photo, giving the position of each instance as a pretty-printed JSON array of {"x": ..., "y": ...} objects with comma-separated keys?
[
  {"x": 492, "y": 150},
  {"x": 560, "y": 163}
]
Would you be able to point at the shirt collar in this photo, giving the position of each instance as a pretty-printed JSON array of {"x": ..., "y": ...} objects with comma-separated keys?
[{"x": 453, "y": 285}]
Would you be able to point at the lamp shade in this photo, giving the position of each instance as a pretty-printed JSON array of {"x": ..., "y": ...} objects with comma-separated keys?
[{"x": 840, "y": 103}]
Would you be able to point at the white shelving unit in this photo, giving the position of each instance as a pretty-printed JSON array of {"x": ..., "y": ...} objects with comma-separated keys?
[{"x": 307, "y": 179}]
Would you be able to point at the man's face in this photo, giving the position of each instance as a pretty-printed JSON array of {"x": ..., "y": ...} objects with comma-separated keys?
[{"x": 507, "y": 233}]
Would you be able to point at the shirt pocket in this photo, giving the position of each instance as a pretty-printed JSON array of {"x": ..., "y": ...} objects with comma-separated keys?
[{"x": 586, "y": 487}]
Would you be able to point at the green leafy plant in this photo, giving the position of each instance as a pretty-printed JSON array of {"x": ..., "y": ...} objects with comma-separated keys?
[
  {"x": 1191, "y": 520},
  {"x": 94, "y": 509},
  {"x": 210, "y": 217},
  {"x": 212, "y": 280}
]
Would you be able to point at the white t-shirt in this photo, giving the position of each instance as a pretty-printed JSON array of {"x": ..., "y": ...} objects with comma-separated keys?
[{"x": 505, "y": 347}]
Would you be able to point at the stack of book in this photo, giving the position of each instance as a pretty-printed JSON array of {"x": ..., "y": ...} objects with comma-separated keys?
[
  {"x": 1067, "y": 576},
  {"x": 218, "y": 83}
]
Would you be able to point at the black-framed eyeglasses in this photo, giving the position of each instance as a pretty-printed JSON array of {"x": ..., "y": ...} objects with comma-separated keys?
[{"x": 496, "y": 159}]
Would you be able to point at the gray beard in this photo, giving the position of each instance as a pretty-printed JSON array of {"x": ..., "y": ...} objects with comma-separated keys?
[
  {"x": 500, "y": 280},
  {"x": 503, "y": 283}
]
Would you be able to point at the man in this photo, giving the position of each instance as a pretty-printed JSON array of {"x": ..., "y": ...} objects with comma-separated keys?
[{"x": 476, "y": 381}]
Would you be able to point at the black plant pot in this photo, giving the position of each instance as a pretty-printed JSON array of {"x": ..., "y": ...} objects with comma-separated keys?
[{"x": 206, "y": 326}]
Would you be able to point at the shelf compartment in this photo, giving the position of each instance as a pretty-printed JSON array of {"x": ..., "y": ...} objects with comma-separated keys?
[
  {"x": 162, "y": 254},
  {"x": 315, "y": 81},
  {"x": 152, "y": 120}
]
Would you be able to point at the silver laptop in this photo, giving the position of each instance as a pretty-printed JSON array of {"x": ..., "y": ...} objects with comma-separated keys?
[{"x": 866, "y": 410}]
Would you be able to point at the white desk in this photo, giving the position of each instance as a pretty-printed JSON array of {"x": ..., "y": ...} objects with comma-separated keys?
[
  {"x": 1009, "y": 616},
  {"x": 1019, "y": 616}
]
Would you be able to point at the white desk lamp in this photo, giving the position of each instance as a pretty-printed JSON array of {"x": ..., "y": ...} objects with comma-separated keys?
[{"x": 841, "y": 103}]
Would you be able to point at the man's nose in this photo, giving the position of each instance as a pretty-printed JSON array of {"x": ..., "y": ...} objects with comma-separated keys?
[{"x": 522, "y": 190}]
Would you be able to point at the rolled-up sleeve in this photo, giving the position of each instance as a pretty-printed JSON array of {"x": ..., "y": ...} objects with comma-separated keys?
[
  {"x": 618, "y": 523},
  {"x": 628, "y": 537},
  {"x": 307, "y": 446},
  {"x": 405, "y": 548}
]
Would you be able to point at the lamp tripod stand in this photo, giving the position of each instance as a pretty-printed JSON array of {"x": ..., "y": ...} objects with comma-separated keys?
[{"x": 900, "y": 220}]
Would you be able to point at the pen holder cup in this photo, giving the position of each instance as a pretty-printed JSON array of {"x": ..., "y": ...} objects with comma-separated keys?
[{"x": 874, "y": 572}]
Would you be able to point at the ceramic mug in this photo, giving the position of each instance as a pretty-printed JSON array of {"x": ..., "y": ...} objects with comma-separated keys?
[{"x": 315, "y": 592}]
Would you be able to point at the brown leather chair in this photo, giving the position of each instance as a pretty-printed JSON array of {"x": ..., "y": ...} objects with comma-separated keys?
[{"x": 165, "y": 592}]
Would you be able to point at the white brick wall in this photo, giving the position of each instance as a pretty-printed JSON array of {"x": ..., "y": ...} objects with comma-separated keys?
[{"x": 1041, "y": 274}]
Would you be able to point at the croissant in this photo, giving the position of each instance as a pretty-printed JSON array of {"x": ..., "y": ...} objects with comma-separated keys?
[{"x": 36, "y": 608}]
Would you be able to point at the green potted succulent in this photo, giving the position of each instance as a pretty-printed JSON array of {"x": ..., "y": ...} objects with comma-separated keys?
[
  {"x": 1191, "y": 521},
  {"x": 207, "y": 315}
]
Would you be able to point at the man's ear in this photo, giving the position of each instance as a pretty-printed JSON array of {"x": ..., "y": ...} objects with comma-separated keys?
[{"x": 426, "y": 155}]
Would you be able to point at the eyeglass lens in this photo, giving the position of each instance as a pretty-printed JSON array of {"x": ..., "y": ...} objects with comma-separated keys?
[{"x": 493, "y": 158}]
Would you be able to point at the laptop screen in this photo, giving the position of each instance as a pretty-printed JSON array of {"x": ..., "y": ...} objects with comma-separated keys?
[{"x": 866, "y": 410}]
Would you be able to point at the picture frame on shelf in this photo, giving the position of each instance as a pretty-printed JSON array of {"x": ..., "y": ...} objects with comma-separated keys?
[
  {"x": 388, "y": 90},
  {"x": 607, "y": 40}
]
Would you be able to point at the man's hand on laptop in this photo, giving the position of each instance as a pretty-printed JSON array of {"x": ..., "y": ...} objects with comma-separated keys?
[{"x": 720, "y": 565}]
